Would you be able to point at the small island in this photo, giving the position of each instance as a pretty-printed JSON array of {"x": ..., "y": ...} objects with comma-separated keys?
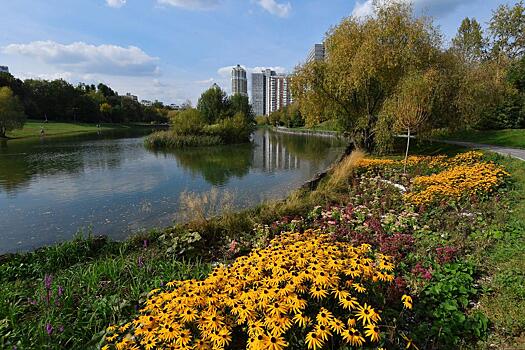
[{"x": 218, "y": 119}]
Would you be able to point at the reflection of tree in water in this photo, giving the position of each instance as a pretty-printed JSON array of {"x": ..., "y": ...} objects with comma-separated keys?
[
  {"x": 216, "y": 164},
  {"x": 22, "y": 160}
]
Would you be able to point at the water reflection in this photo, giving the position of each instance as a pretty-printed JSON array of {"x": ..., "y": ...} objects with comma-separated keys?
[
  {"x": 215, "y": 164},
  {"x": 50, "y": 188},
  {"x": 23, "y": 160}
]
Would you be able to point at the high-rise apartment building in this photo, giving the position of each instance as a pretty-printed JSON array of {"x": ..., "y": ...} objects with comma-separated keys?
[
  {"x": 258, "y": 93},
  {"x": 317, "y": 53},
  {"x": 4, "y": 69},
  {"x": 270, "y": 92},
  {"x": 239, "y": 81}
]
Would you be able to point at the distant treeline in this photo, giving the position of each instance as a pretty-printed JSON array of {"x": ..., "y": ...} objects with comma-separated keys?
[{"x": 58, "y": 100}]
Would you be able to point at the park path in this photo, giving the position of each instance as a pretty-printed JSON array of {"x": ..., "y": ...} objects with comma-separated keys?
[{"x": 506, "y": 151}]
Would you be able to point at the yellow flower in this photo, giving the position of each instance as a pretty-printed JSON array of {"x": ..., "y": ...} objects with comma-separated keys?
[
  {"x": 275, "y": 343},
  {"x": 366, "y": 314},
  {"x": 313, "y": 341},
  {"x": 372, "y": 331},
  {"x": 407, "y": 301}
]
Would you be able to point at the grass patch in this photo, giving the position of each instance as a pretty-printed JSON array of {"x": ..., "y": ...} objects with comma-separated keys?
[
  {"x": 32, "y": 128},
  {"x": 509, "y": 137},
  {"x": 328, "y": 125}
]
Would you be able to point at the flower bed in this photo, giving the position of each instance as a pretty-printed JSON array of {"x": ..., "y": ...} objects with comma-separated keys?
[
  {"x": 304, "y": 288},
  {"x": 343, "y": 276}
]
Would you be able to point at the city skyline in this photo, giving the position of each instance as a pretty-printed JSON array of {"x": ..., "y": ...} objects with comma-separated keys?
[{"x": 173, "y": 50}]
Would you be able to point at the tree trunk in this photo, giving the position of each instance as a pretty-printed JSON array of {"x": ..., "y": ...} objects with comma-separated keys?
[
  {"x": 2, "y": 132},
  {"x": 406, "y": 153}
]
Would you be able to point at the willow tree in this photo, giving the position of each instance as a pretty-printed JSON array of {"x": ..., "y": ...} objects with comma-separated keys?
[
  {"x": 411, "y": 107},
  {"x": 366, "y": 59}
]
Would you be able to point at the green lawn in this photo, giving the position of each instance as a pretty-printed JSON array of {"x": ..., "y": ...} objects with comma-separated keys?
[
  {"x": 508, "y": 137},
  {"x": 32, "y": 128}
]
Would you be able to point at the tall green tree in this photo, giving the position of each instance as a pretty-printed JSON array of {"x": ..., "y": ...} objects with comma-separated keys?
[
  {"x": 469, "y": 42},
  {"x": 507, "y": 28},
  {"x": 365, "y": 61},
  {"x": 11, "y": 112},
  {"x": 213, "y": 104},
  {"x": 240, "y": 104}
]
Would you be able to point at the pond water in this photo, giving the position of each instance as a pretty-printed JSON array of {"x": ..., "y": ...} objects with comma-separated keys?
[{"x": 110, "y": 184}]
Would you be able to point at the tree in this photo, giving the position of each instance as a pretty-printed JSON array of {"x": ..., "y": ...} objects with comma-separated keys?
[
  {"x": 240, "y": 104},
  {"x": 186, "y": 122},
  {"x": 482, "y": 88},
  {"x": 411, "y": 106},
  {"x": 213, "y": 104},
  {"x": 11, "y": 112},
  {"x": 365, "y": 61},
  {"x": 507, "y": 28},
  {"x": 469, "y": 43},
  {"x": 106, "y": 90},
  {"x": 105, "y": 109}
]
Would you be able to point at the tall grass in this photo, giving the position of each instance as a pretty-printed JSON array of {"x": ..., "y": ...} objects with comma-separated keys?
[
  {"x": 197, "y": 208},
  {"x": 71, "y": 308},
  {"x": 170, "y": 140},
  {"x": 343, "y": 171}
]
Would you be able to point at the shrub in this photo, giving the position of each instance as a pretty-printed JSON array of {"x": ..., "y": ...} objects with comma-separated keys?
[
  {"x": 187, "y": 122},
  {"x": 262, "y": 120},
  {"x": 231, "y": 130},
  {"x": 443, "y": 303}
]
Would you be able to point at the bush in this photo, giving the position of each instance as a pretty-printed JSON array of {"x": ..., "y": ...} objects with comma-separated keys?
[
  {"x": 231, "y": 130},
  {"x": 443, "y": 303},
  {"x": 187, "y": 122},
  {"x": 262, "y": 120}
]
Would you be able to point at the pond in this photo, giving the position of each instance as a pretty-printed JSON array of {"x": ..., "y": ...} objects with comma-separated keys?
[{"x": 109, "y": 184}]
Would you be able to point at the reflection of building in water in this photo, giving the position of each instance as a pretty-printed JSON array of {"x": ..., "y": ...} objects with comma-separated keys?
[{"x": 275, "y": 155}]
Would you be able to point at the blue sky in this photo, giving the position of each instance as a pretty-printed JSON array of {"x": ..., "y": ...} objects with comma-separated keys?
[{"x": 172, "y": 50}]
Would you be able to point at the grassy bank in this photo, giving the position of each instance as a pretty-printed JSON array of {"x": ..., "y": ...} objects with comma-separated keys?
[
  {"x": 32, "y": 128},
  {"x": 460, "y": 258},
  {"x": 329, "y": 125},
  {"x": 509, "y": 137}
]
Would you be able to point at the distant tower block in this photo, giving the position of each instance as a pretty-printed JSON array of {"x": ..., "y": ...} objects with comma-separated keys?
[{"x": 239, "y": 81}]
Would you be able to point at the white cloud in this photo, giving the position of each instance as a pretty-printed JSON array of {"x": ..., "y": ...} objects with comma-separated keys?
[
  {"x": 275, "y": 8},
  {"x": 116, "y": 3},
  {"x": 363, "y": 9},
  {"x": 191, "y": 4},
  {"x": 89, "y": 59},
  {"x": 437, "y": 8}
]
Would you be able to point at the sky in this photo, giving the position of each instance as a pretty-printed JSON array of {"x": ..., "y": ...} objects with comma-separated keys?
[{"x": 173, "y": 50}]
